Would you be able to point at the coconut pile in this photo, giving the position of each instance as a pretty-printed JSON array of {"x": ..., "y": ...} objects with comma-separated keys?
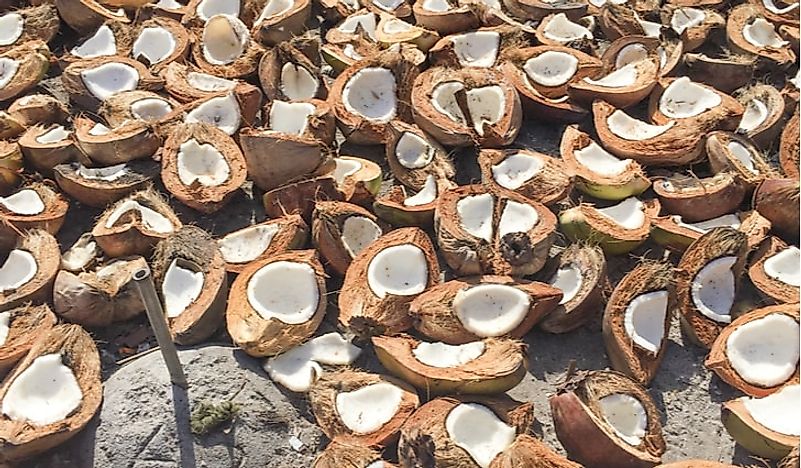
[{"x": 678, "y": 124}]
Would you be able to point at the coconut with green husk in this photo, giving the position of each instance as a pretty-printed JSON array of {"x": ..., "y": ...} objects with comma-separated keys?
[
  {"x": 617, "y": 228},
  {"x": 486, "y": 366},
  {"x": 287, "y": 74},
  {"x": 41, "y": 109},
  {"x": 707, "y": 281},
  {"x": 90, "y": 82},
  {"x": 111, "y": 146},
  {"x": 789, "y": 148},
  {"x": 777, "y": 199},
  {"x": 134, "y": 224},
  {"x": 20, "y": 327},
  {"x": 102, "y": 186},
  {"x": 764, "y": 114},
  {"x": 599, "y": 173},
  {"x": 758, "y": 352},
  {"x": 256, "y": 242},
  {"x": 401, "y": 207},
  {"x": 38, "y": 22},
  {"x": 682, "y": 98},
  {"x": 700, "y": 199},
  {"x": 529, "y": 173},
  {"x": 774, "y": 270},
  {"x": 22, "y": 67},
  {"x": 675, "y": 234},
  {"x": 280, "y": 20},
  {"x": 464, "y": 310},
  {"x": 34, "y": 206},
  {"x": 100, "y": 296},
  {"x": 384, "y": 278},
  {"x": 605, "y": 418},
  {"x": 160, "y": 41},
  {"x": 340, "y": 231},
  {"x": 277, "y": 302},
  {"x": 748, "y": 32},
  {"x": 10, "y": 165},
  {"x": 187, "y": 84},
  {"x": 357, "y": 179},
  {"x": 579, "y": 271},
  {"x": 51, "y": 394},
  {"x": 300, "y": 197},
  {"x": 138, "y": 105},
  {"x": 223, "y": 47},
  {"x": 338, "y": 455},
  {"x": 45, "y": 147},
  {"x": 413, "y": 156}
]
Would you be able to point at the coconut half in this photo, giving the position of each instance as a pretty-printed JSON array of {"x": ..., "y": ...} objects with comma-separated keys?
[
  {"x": 414, "y": 156},
  {"x": 480, "y": 48},
  {"x": 287, "y": 74},
  {"x": 775, "y": 199},
  {"x": 22, "y": 326},
  {"x": 82, "y": 255},
  {"x": 22, "y": 67},
  {"x": 259, "y": 241},
  {"x": 682, "y": 99},
  {"x": 10, "y": 165},
  {"x": 223, "y": 47},
  {"x": 266, "y": 315},
  {"x": 621, "y": 87},
  {"x": 28, "y": 270},
  {"x": 25, "y": 24},
  {"x": 45, "y": 147},
  {"x": 391, "y": 30},
  {"x": 106, "y": 146},
  {"x": 723, "y": 69},
  {"x": 89, "y": 82},
  {"x": 41, "y": 109},
  {"x": 340, "y": 231},
  {"x": 445, "y": 17},
  {"x": 300, "y": 197},
  {"x": 357, "y": 179},
  {"x": 675, "y": 234},
  {"x": 361, "y": 408},
  {"x": 140, "y": 106},
  {"x": 99, "y": 187},
  {"x": 729, "y": 151},
  {"x": 110, "y": 38},
  {"x": 337, "y": 454},
  {"x": 775, "y": 270},
  {"x": 401, "y": 207},
  {"x": 747, "y": 31},
  {"x": 618, "y": 228},
  {"x": 529, "y": 173},
  {"x": 762, "y": 118},
  {"x": 159, "y": 41},
  {"x": 281, "y": 20},
  {"x": 700, "y": 199},
  {"x": 35, "y": 206},
  {"x": 188, "y": 84},
  {"x": 558, "y": 29},
  {"x": 789, "y": 148}
]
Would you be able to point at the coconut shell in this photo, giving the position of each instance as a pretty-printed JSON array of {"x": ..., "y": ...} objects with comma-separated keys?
[
  {"x": 44, "y": 156},
  {"x": 101, "y": 193},
  {"x": 697, "y": 35},
  {"x": 391, "y": 209},
  {"x": 440, "y": 166},
  {"x": 336, "y": 56},
  {"x": 362, "y": 186},
  {"x": 738, "y": 18},
  {"x": 587, "y": 66},
  {"x": 19, "y": 440},
  {"x": 85, "y": 16},
  {"x": 175, "y": 82},
  {"x": 337, "y": 36},
  {"x": 259, "y": 337},
  {"x": 80, "y": 94},
  {"x": 179, "y": 34},
  {"x": 700, "y": 199},
  {"x": 777, "y": 200},
  {"x": 117, "y": 110},
  {"x": 94, "y": 300},
  {"x": 772, "y": 289},
  {"x": 270, "y": 71},
  {"x": 665, "y": 231},
  {"x": 791, "y": 460},
  {"x": 618, "y": 21},
  {"x": 26, "y": 324},
  {"x": 454, "y": 20},
  {"x": 584, "y": 432},
  {"x": 244, "y": 66},
  {"x": 434, "y": 315},
  {"x": 725, "y": 116},
  {"x": 443, "y": 53},
  {"x": 33, "y": 58},
  {"x": 718, "y": 362},
  {"x": 753, "y": 436},
  {"x": 585, "y": 223},
  {"x": 549, "y": 185},
  {"x": 322, "y": 399},
  {"x": 360, "y": 309},
  {"x": 122, "y": 39},
  {"x": 499, "y": 368},
  {"x": 587, "y": 302},
  {"x": 10, "y": 126},
  {"x": 327, "y": 223},
  {"x": 13, "y": 225},
  {"x": 339, "y": 455},
  {"x": 585, "y": 93},
  {"x": 291, "y": 235},
  {"x": 10, "y": 165},
  {"x": 539, "y": 9},
  {"x": 133, "y": 140},
  {"x": 789, "y": 148},
  {"x": 764, "y": 135},
  {"x": 275, "y": 30},
  {"x": 538, "y": 106},
  {"x": 726, "y": 72},
  {"x": 719, "y": 242},
  {"x": 40, "y": 22},
  {"x": 300, "y": 197},
  {"x": 38, "y": 109}
]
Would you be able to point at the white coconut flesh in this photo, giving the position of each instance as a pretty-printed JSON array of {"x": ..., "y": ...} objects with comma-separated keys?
[
  {"x": 376, "y": 464},
  {"x": 298, "y": 368},
  {"x": 479, "y": 431},
  {"x": 154, "y": 44},
  {"x": 297, "y": 83},
  {"x": 8, "y": 69},
  {"x": 286, "y": 291},
  {"x": 398, "y": 270},
  {"x": 55, "y": 134},
  {"x": 629, "y": 128},
  {"x": 785, "y": 266},
  {"x": 344, "y": 168},
  {"x": 247, "y": 244},
  {"x": 208, "y": 83},
  {"x": 569, "y": 280},
  {"x": 100, "y": 44},
  {"x": 551, "y": 68},
  {"x": 44, "y": 393},
  {"x": 779, "y": 412},
  {"x": 5, "y": 321},
  {"x": 222, "y": 112},
  {"x": 475, "y": 215},
  {"x": 703, "y": 227},
  {"x": 761, "y": 33},
  {"x": 620, "y": 78},
  {"x": 488, "y": 310},
  {"x": 413, "y": 152},
  {"x": 771, "y": 6},
  {"x": 743, "y": 155},
  {"x": 201, "y": 163},
  {"x": 26, "y": 202},
  {"x": 632, "y": 53},
  {"x": 600, "y": 3},
  {"x": 357, "y": 233},
  {"x": 207, "y": 9},
  {"x": 19, "y": 268},
  {"x": 426, "y": 195},
  {"x": 11, "y": 27},
  {"x": 756, "y": 112},
  {"x": 369, "y": 408},
  {"x": 151, "y": 219},
  {"x": 350, "y": 52},
  {"x": 387, "y": 5},
  {"x": 370, "y": 94},
  {"x": 436, "y": 6},
  {"x": 683, "y": 99},
  {"x": 485, "y": 104},
  {"x": 150, "y": 109},
  {"x": 644, "y": 320},
  {"x": 626, "y": 415},
  {"x": 516, "y": 170},
  {"x": 80, "y": 254},
  {"x": 628, "y": 214},
  {"x": 274, "y": 9},
  {"x": 651, "y": 29},
  {"x": 109, "y": 79},
  {"x": 98, "y": 129},
  {"x": 225, "y": 38},
  {"x": 559, "y": 28},
  {"x": 686, "y": 18},
  {"x": 169, "y": 5},
  {"x": 517, "y": 217},
  {"x": 180, "y": 288},
  {"x": 764, "y": 352},
  {"x": 290, "y": 117},
  {"x": 395, "y": 26},
  {"x": 365, "y": 22},
  {"x": 442, "y": 355},
  {"x": 600, "y": 161},
  {"x": 713, "y": 291},
  {"x": 106, "y": 174},
  {"x": 477, "y": 49}
]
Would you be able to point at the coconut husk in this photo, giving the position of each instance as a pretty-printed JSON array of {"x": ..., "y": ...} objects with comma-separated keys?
[
  {"x": 10, "y": 126},
  {"x": 416, "y": 35},
  {"x": 738, "y": 18},
  {"x": 764, "y": 135},
  {"x": 85, "y": 16},
  {"x": 362, "y": 186},
  {"x": 38, "y": 109},
  {"x": 625, "y": 355},
  {"x": 789, "y": 148},
  {"x": 360, "y": 309},
  {"x": 588, "y": 66},
  {"x": 584, "y": 93},
  {"x": 13, "y": 225},
  {"x": 275, "y": 30},
  {"x": 270, "y": 71},
  {"x": 618, "y": 21},
  {"x": 10, "y": 165},
  {"x": 585, "y": 223},
  {"x": 244, "y": 66},
  {"x": 500, "y": 367},
  {"x": 696, "y": 36},
  {"x": 300, "y": 197},
  {"x": 665, "y": 231},
  {"x": 40, "y": 22},
  {"x": 725, "y": 116},
  {"x": 132, "y": 140},
  {"x": 38, "y": 289},
  {"x": 549, "y": 185},
  {"x": 128, "y": 235},
  {"x": 586, "y": 303},
  {"x": 753, "y": 436},
  {"x": 726, "y": 72},
  {"x": 454, "y": 20},
  {"x": 585, "y": 433},
  {"x": 434, "y": 316},
  {"x": 322, "y": 399},
  {"x": 123, "y": 41},
  {"x": 259, "y": 337},
  {"x": 44, "y": 156},
  {"x": 441, "y": 166},
  {"x": 175, "y": 82},
  {"x": 777, "y": 200},
  {"x": 26, "y": 324},
  {"x": 80, "y": 94},
  {"x": 772, "y": 289},
  {"x": 719, "y": 242},
  {"x": 179, "y": 34},
  {"x": 327, "y": 222},
  {"x": 340, "y": 455},
  {"x": 33, "y": 58},
  {"x": 700, "y": 199},
  {"x": 391, "y": 208},
  {"x": 722, "y": 159},
  {"x": 537, "y": 105},
  {"x": 117, "y": 110},
  {"x": 101, "y": 297},
  {"x": 443, "y": 53},
  {"x": 101, "y": 193},
  {"x": 291, "y": 235},
  {"x": 791, "y": 460}
]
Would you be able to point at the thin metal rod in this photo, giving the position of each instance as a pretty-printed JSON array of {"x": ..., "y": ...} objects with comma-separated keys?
[{"x": 155, "y": 314}]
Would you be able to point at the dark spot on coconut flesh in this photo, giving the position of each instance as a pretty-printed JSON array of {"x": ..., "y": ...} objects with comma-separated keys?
[{"x": 516, "y": 248}]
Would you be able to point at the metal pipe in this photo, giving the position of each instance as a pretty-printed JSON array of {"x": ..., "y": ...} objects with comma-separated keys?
[{"x": 155, "y": 314}]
